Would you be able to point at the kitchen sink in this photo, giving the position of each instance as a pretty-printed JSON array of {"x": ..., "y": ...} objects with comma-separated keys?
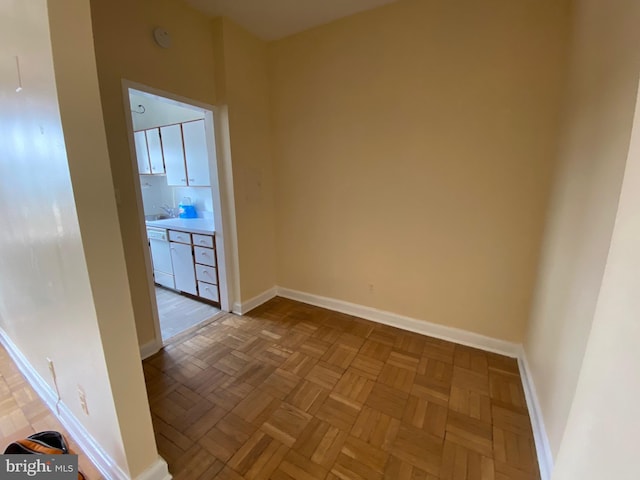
[{"x": 159, "y": 216}]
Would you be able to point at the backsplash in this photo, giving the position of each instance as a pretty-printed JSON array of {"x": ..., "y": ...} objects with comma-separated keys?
[{"x": 156, "y": 193}]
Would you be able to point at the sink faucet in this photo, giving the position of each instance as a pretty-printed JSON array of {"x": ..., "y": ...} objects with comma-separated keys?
[{"x": 168, "y": 210}]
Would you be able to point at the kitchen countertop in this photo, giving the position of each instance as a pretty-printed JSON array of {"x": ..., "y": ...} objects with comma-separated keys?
[{"x": 204, "y": 226}]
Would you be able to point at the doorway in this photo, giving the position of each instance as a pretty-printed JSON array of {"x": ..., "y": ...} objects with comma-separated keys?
[{"x": 174, "y": 154}]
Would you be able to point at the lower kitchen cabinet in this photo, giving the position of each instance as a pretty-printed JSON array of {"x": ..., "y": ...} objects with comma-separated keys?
[
  {"x": 208, "y": 291},
  {"x": 195, "y": 264},
  {"x": 183, "y": 267}
]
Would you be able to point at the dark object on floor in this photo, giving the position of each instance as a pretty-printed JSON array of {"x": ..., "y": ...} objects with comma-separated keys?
[{"x": 42, "y": 443}]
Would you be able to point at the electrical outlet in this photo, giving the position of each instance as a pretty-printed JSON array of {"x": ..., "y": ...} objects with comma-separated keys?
[
  {"x": 52, "y": 369},
  {"x": 371, "y": 288},
  {"x": 83, "y": 400}
]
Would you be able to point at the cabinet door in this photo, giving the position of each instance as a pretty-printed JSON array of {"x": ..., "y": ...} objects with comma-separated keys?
[
  {"x": 195, "y": 152},
  {"x": 155, "y": 150},
  {"x": 174, "y": 155},
  {"x": 183, "y": 267},
  {"x": 142, "y": 154}
]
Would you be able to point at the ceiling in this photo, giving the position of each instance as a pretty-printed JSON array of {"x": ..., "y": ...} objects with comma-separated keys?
[{"x": 273, "y": 19}]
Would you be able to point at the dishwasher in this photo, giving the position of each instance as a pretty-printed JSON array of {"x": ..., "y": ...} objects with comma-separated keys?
[{"x": 161, "y": 257}]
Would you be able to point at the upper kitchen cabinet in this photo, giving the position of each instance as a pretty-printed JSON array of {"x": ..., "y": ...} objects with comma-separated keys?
[
  {"x": 155, "y": 151},
  {"x": 142, "y": 153},
  {"x": 195, "y": 152},
  {"x": 174, "y": 155},
  {"x": 149, "y": 152}
]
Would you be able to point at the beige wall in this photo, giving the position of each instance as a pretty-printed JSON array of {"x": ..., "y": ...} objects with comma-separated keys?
[
  {"x": 601, "y": 437},
  {"x": 593, "y": 149},
  {"x": 223, "y": 66},
  {"x": 125, "y": 49},
  {"x": 242, "y": 62},
  {"x": 63, "y": 285},
  {"x": 413, "y": 151}
]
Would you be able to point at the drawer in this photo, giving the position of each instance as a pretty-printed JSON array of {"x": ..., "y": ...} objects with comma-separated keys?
[
  {"x": 208, "y": 291},
  {"x": 164, "y": 279},
  {"x": 181, "y": 237},
  {"x": 205, "y": 256},
  {"x": 206, "y": 274},
  {"x": 203, "y": 241}
]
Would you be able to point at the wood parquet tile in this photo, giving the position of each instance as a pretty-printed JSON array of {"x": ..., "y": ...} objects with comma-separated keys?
[{"x": 295, "y": 392}]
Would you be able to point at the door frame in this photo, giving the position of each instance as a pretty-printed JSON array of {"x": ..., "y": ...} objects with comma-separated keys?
[{"x": 220, "y": 173}]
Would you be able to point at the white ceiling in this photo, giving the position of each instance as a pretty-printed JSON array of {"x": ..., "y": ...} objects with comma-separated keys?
[{"x": 273, "y": 19}]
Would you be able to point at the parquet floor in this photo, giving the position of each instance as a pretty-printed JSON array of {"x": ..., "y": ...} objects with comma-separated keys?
[
  {"x": 23, "y": 413},
  {"x": 295, "y": 392}
]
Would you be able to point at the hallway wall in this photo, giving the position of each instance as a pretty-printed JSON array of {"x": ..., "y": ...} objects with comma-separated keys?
[
  {"x": 594, "y": 142},
  {"x": 63, "y": 286}
]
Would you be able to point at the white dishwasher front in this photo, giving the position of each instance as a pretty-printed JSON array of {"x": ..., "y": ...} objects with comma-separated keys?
[{"x": 161, "y": 257}]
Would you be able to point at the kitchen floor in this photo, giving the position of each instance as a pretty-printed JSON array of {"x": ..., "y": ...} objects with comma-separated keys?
[{"x": 179, "y": 313}]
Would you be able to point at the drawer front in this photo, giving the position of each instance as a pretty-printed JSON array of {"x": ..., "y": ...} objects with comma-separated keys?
[
  {"x": 180, "y": 237},
  {"x": 206, "y": 274},
  {"x": 164, "y": 279},
  {"x": 203, "y": 241},
  {"x": 208, "y": 291},
  {"x": 205, "y": 256}
]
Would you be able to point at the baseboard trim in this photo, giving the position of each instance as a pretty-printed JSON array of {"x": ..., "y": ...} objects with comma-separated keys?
[
  {"x": 543, "y": 448},
  {"x": 244, "y": 307},
  {"x": 159, "y": 470},
  {"x": 150, "y": 348},
  {"x": 423, "y": 327},
  {"x": 91, "y": 448}
]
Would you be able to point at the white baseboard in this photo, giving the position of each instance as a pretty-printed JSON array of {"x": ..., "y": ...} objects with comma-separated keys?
[
  {"x": 150, "y": 348},
  {"x": 244, "y": 307},
  {"x": 423, "y": 327},
  {"x": 157, "y": 471},
  {"x": 91, "y": 448},
  {"x": 543, "y": 448}
]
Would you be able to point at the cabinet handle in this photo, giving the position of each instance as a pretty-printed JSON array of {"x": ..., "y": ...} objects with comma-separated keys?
[
  {"x": 191, "y": 179},
  {"x": 203, "y": 253},
  {"x": 183, "y": 179}
]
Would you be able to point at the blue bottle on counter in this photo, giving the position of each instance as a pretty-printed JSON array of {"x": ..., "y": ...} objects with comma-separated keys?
[{"x": 186, "y": 209}]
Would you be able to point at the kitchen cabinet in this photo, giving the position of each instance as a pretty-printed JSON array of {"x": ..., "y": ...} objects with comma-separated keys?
[
  {"x": 154, "y": 146},
  {"x": 209, "y": 292},
  {"x": 183, "y": 267},
  {"x": 191, "y": 263},
  {"x": 178, "y": 150},
  {"x": 205, "y": 256},
  {"x": 149, "y": 152},
  {"x": 206, "y": 267},
  {"x": 142, "y": 153},
  {"x": 196, "y": 154},
  {"x": 174, "y": 155}
]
